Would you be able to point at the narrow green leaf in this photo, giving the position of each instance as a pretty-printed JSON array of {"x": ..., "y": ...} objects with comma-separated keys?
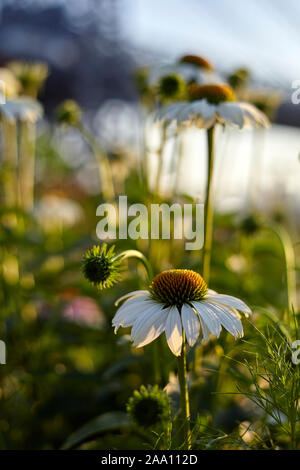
[{"x": 104, "y": 423}]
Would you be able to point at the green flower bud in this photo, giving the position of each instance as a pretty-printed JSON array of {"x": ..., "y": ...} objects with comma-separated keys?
[
  {"x": 69, "y": 113},
  {"x": 171, "y": 88},
  {"x": 101, "y": 266},
  {"x": 149, "y": 407}
]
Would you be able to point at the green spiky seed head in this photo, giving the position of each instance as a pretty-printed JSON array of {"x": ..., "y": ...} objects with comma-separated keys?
[
  {"x": 171, "y": 88},
  {"x": 101, "y": 267},
  {"x": 149, "y": 407},
  {"x": 69, "y": 113}
]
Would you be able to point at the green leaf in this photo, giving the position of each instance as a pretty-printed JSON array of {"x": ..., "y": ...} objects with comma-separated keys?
[{"x": 111, "y": 421}]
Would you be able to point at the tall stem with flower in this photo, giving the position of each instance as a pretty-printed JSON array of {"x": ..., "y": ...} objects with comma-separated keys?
[
  {"x": 69, "y": 113},
  {"x": 209, "y": 105},
  {"x": 179, "y": 304}
]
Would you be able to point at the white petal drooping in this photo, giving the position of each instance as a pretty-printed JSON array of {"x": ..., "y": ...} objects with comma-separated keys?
[
  {"x": 174, "y": 331},
  {"x": 149, "y": 325},
  {"x": 190, "y": 323}
]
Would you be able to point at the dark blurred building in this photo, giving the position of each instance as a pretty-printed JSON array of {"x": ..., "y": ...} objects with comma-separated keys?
[{"x": 80, "y": 40}]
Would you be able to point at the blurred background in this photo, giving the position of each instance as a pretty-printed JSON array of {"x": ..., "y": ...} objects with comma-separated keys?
[
  {"x": 64, "y": 364},
  {"x": 94, "y": 47}
]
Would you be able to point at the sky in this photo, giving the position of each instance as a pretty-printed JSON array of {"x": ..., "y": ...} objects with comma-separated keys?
[{"x": 261, "y": 34}]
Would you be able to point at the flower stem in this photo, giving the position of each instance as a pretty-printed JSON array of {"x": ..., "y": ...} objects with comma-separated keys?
[
  {"x": 9, "y": 162},
  {"x": 160, "y": 159},
  {"x": 105, "y": 174},
  {"x": 26, "y": 165},
  {"x": 209, "y": 207},
  {"x": 138, "y": 255},
  {"x": 184, "y": 395},
  {"x": 179, "y": 138}
]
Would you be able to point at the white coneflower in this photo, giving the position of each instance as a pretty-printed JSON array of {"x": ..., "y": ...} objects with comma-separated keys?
[
  {"x": 21, "y": 108},
  {"x": 180, "y": 304},
  {"x": 209, "y": 105}
]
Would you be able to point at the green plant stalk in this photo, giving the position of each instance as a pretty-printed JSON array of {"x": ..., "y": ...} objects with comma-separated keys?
[
  {"x": 180, "y": 155},
  {"x": 184, "y": 395},
  {"x": 144, "y": 163},
  {"x": 290, "y": 265},
  {"x": 209, "y": 207},
  {"x": 160, "y": 159},
  {"x": 9, "y": 162},
  {"x": 104, "y": 169},
  {"x": 26, "y": 165},
  {"x": 138, "y": 255}
]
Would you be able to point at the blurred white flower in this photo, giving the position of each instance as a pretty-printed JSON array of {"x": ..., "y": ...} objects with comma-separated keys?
[
  {"x": 212, "y": 104},
  {"x": 52, "y": 211},
  {"x": 22, "y": 108},
  {"x": 237, "y": 263}
]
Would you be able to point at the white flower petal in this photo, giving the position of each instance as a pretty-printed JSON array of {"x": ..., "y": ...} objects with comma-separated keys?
[
  {"x": 204, "y": 114},
  {"x": 149, "y": 327},
  {"x": 204, "y": 329},
  {"x": 128, "y": 313},
  {"x": 190, "y": 323},
  {"x": 169, "y": 113},
  {"x": 173, "y": 331},
  {"x": 230, "y": 113},
  {"x": 229, "y": 319},
  {"x": 201, "y": 112},
  {"x": 242, "y": 114},
  {"x": 132, "y": 294},
  {"x": 211, "y": 320},
  {"x": 230, "y": 301},
  {"x": 210, "y": 291},
  {"x": 151, "y": 308},
  {"x": 23, "y": 108},
  {"x": 254, "y": 115}
]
